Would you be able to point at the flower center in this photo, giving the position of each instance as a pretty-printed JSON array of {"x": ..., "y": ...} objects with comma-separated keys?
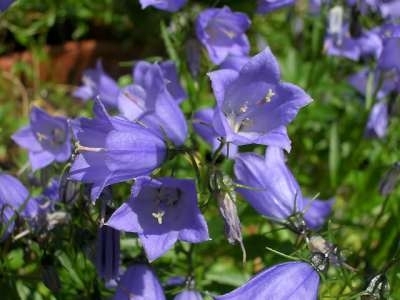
[{"x": 166, "y": 198}]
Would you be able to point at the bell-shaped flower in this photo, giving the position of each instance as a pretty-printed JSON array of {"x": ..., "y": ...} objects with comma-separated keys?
[
  {"x": 161, "y": 211},
  {"x": 378, "y": 120},
  {"x": 188, "y": 295},
  {"x": 285, "y": 281},
  {"x": 97, "y": 83},
  {"x": 113, "y": 149},
  {"x": 14, "y": 200},
  {"x": 4, "y": 4},
  {"x": 167, "y": 5},
  {"x": 253, "y": 105},
  {"x": 267, "y": 6},
  {"x": 139, "y": 282},
  {"x": 150, "y": 102},
  {"x": 47, "y": 139},
  {"x": 107, "y": 253},
  {"x": 389, "y": 58},
  {"x": 222, "y": 32}
]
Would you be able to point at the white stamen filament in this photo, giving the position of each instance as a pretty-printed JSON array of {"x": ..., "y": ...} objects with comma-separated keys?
[{"x": 159, "y": 215}]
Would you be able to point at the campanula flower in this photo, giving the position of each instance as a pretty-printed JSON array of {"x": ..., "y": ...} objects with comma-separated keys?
[
  {"x": 161, "y": 211},
  {"x": 14, "y": 200},
  {"x": 389, "y": 58},
  {"x": 47, "y": 139},
  {"x": 139, "y": 282},
  {"x": 267, "y": 6},
  {"x": 188, "y": 295},
  {"x": 150, "y": 102},
  {"x": 113, "y": 149},
  {"x": 253, "y": 105},
  {"x": 285, "y": 281},
  {"x": 222, "y": 32},
  {"x": 97, "y": 83},
  {"x": 235, "y": 62},
  {"x": 378, "y": 120},
  {"x": 107, "y": 253},
  {"x": 168, "y": 5}
]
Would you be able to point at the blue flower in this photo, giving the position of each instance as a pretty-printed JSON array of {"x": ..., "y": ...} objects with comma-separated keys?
[
  {"x": 113, "y": 149},
  {"x": 286, "y": 281},
  {"x": 47, "y": 139},
  {"x": 253, "y": 105},
  {"x": 267, "y": 6},
  {"x": 161, "y": 211},
  {"x": 107, "y": 253},
  {"x": 168, "y": 5},
  {"x": 222, "y": 32}
]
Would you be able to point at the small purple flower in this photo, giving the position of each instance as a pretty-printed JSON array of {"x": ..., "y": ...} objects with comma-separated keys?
[
  {"x": 285, "y": 281},
  {"x": 14, "y": 199},
  {"x": 188, "y": 295},
  {"x": 253, "y": 105},
  {"x": 168, "y": 5},
  {"x": 378, "y": 120},
  {"x": 222, "y": 32},
  {"x": 113, "y": 149},
  {"x": 149, "y": 101},
  {"x": 139, "y": 282},
  {"x": 161, "y": 211},
  {"x": 47, "y": 139},
  {"x": 267, "y": 6},
  {"x": 97, "y": 83},
  {"x": 107, "y": 253}
]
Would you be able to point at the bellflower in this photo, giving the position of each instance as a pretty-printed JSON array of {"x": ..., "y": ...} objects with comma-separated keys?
[
  {"x": 253, "y": 105},
  {"x": 14, "y": 199},
  {"x": 235, "y": 62},
  {"x": 168, "y": 5},
  {"x": 285, "y": 281},
  {"x": 188, "y": 295},
  {"x": 47, "y": 139},
  {"x": 112, "y": 150},
  {"x": 161, "y": 211},
  {"x": 139, "y": 282},
  {"x": 267, "y": 6},
  {"x": 222, "y": 32},
  {"x": 150, "y": 102},
  {"x": 97, "y": 83},
  {"x": 389, "y": 58},
  {"x": 107, "y": 253},
  {"x": 378, "y": 120}
]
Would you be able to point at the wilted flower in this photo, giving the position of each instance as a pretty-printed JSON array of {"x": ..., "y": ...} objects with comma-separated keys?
[
  {"x": 107, "y": 252},
  {"x": 267, "y": 6},
  {"x": 161, "y": 211},
  {"x": 47, "y": 139},
  {"x": 188, "y": 295},
  {"x": 14, "y": 200},
  {"x": 97, "y": 83},
  {"x": 286, "y": 281},
  {"x": 150, "y": 102},
  {"x": 112, "y": 150},
  {"x": 168, "y": 5},
  {"x": 139, "y": 282},
  {"x": 222, "y": 32},
  {"x": 253, "y": 105}
]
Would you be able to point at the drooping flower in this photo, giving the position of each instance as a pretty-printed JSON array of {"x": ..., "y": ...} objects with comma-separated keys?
[
  {"x": 47, "y": 139},
  {"x": 253, "y": 105},
  {"x": 139, "y": 282},
  {"x": 168, "y": 5},
  {"x": 97, "y": 83},
  {"x": 113, "y": 149},
  {"x": 14, "y": 200},
  {"x": 222, "y": 32},
  {"x": 267, "y": 6},
  {"x": 188, "y": 295},
  {"x": 161, "y": 211},
  {"x": 150, "y": 102},
  {"x": 285, "y": 281}
]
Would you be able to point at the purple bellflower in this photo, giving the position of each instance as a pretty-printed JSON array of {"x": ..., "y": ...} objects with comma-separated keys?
[
  {"x": 267, "y": 6},
  {"x": 273, "y": 191},
  {"x": 202, "y": 124},
  {"x": 168, "y": 5},
  {"x": 97, "y": 83},
  {"x": 171, "y": 80},
  {"x": 222, "y": 32},
  {"x": 47, "y": 139},
  {"x": 107, "y": 253},
  {"x": 188, "y": 295},
  {"x": 139, "y": 282},
  {"x": 113, "y": 149},
  {"x": 234, "y": 62},
  {"x": 389, "y": 8},
  {"x": 161, "y": 211},
  {"x": 378, "y": 120},
  {"x": 285, "y": 281},
  {"x": 389, "y": 58},
  {"x": 253, "y": 105},
  {"x": 149, "y": 101},
  {"x": 14, "y": 199}
]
